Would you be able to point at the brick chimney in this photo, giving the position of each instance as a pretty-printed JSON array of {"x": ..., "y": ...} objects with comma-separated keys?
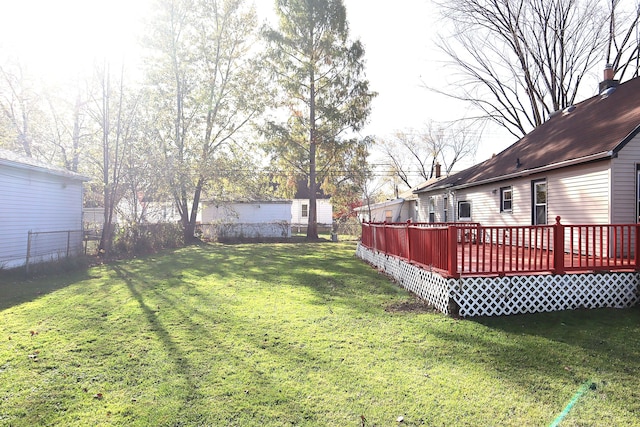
[
  {"x": 438, "y": 170},
  {"x": 608, "y": 79}
]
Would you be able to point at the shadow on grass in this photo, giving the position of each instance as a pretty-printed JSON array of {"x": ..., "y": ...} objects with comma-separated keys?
[
  {"x": 162, "y": 285},
  {"x": 16, "y": 288},
  {"x": 607, "y": 334},
  {"x": 133, "y": 281}
]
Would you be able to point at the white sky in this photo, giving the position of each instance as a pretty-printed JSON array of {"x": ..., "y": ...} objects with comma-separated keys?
[{"x": 60, "y": 37}]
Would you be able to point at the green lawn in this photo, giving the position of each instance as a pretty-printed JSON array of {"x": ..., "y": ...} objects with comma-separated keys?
[{"x": 295, "y": 334}]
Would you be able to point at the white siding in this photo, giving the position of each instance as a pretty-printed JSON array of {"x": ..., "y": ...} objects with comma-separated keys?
[
  {"x": 401, "y": 211},
  {"x": 32, "y": 200},
  {"x": 623, "y": 184},
  {"x": 324, "y": 212},
  {"x": 247, "y": 220},
  {"x": 424, "y": 203},
  {"x": 248, "y": 213},
  {"x": 578, "y": 194}
]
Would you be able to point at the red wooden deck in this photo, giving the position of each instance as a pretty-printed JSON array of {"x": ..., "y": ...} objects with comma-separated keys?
[
  {"x": 475, "y": 250},
  {"x": 493, "y": 259}
]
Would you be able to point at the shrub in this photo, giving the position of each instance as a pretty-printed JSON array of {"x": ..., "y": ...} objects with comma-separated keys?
[{"x": 139, "y": 239}]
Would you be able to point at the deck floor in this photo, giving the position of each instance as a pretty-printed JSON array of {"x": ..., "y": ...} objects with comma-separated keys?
[{"x": 491, "y": 259}]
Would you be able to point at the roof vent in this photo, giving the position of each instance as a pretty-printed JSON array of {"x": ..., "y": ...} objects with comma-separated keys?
[
  {"x": 568, "y": 110},
  {"x": 553, "y": 114},
  {"x": 608, "y": 91}
]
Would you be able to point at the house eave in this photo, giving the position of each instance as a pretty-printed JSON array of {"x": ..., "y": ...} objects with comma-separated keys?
[
  {"x": 41, "y": 169},
  {"x": 380, "y": 205},
  {"x": 526, "y": 172}
]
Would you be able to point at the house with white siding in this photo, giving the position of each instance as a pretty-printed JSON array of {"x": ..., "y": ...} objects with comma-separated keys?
[
  {"x": 300, "y": 208},
  {"x": 40, "y": 211},
  {"x": 300, "y": 213},
  {"x": 582, "y": 164}
]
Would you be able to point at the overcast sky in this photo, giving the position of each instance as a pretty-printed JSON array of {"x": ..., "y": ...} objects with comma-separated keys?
[{"x": 60, "y": 36}]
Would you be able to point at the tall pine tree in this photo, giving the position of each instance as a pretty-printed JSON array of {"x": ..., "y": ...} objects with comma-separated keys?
[{"x": 323, "y": 94}]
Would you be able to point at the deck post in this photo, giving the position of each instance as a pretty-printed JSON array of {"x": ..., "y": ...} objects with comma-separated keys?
[
  {"x": 372, "y": 236},
  {"x": 385, "y": 240},
  {"x": 408, "y": 241},
  {"x": 558, "y": 247},
  {"x": 452, "y": 242}
]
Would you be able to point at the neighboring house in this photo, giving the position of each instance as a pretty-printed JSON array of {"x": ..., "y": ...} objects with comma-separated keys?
[
  {"x": 401, "y": 209},
  {"x": 300, "y": 208},
  {"x": 300, "y": 212},
  {"x": 582, "y": 164},
  {"x": 40, "y": 211},
  {"x": 251, "y": 219}
]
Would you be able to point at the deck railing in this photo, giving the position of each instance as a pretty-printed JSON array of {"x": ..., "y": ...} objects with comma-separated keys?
[{"x": 456, "y": 249}]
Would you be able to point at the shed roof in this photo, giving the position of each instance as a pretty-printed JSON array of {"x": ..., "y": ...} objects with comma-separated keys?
[
  {"x": 9, "y": 158},
  {"x": 594, "y": 129}
]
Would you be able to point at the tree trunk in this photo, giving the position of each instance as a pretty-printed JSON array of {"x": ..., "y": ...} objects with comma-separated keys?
[{"x": 312, "y": 226}]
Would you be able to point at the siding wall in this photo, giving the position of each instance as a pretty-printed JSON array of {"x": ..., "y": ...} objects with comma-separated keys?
[
  {"x": 579, "y": 195},
  {"x": 34, "y": 201},
  {"x": 324, "y": 211},
  {"x": 248, "y": 213},
  {"x": 623, "y": 181},
  {"x": 401, "y": 212}
]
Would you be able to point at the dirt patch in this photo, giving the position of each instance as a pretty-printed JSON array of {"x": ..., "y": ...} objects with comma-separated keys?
[{"x": 415, "y": 305}]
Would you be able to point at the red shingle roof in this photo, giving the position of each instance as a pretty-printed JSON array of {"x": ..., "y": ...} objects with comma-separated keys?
[{"x": 596, "y": 128}]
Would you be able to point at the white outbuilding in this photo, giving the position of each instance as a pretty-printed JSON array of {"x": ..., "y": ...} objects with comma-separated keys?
[{"x": 40, "y": 211}]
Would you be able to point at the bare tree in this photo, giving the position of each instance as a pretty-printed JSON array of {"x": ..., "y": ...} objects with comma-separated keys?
[
  {"x": 520, "y": 60},
  {"x": 623, "y": 49},
  {"x": 18, "y": 106},
  {"x": 68, "y": 132},
  {"x": 412, "y": 155},
  {"x": 114, "y": 112}
]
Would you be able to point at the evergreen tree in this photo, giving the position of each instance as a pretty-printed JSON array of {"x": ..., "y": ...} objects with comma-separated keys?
[{"x": 323, "y": 94}]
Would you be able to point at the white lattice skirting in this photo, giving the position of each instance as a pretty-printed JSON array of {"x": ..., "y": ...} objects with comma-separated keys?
[{"x": 497, "y": 296}]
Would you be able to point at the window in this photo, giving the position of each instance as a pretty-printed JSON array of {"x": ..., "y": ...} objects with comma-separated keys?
[
  {"x": 506, "y": 199},
  {"x": 388, "y": 216},
  {"x": 445, "y": 213},
  {"x": 432, "y": 210},
  {"x": 305, "y": 210},
  {"x": 539, "y": 202},
  {"x": 464, "y": 211}
]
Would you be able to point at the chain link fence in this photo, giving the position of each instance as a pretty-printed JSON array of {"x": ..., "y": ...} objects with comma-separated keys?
[{"x": 47, "y": 246}]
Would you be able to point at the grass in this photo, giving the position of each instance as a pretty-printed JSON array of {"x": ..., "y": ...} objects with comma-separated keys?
[{"x": 294, "y": 334}]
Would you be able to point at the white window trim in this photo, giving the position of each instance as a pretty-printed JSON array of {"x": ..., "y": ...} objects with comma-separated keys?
[
  {"x": 502, "y": 191},
  {"x": 461, "y": 218}
]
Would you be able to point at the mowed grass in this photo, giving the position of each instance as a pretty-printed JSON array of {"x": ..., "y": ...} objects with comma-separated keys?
[{"x": 295, "y": 334}]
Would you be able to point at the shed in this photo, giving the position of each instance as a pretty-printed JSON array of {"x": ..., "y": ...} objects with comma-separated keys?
[{"x": 40, "y": 211}]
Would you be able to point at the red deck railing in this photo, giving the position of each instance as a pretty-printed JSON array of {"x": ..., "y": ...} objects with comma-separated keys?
[{"x": 456, "y": 249}]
